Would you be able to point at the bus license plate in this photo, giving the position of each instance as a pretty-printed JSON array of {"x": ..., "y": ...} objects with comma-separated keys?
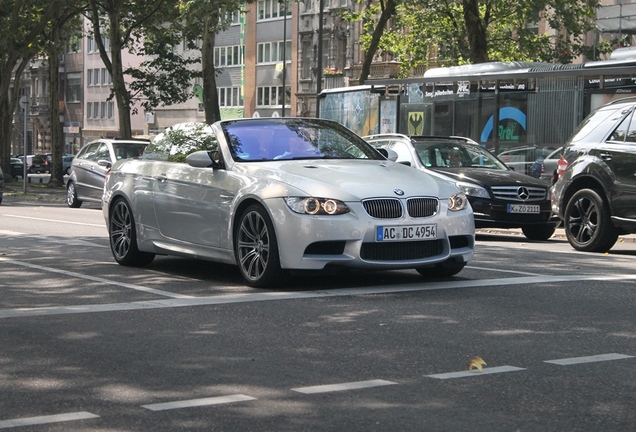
[
  {"x": 405, "y": 233},
  {"x": 523, "y": 208}
]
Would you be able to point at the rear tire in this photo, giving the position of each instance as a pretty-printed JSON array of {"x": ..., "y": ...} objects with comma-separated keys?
[
  {"x": 445, "y": 269},
  {"x": 587, "y": 222},
  {"x": 123, "y": 237},
  {"x": 256, "y": 249},
  {"x": 71, "y": 196},
  {"x": 538, "y": 232}
]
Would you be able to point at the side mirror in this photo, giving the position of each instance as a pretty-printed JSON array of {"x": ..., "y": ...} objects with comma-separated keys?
[
  {"x": 104, "y": 163},
  {"x": 204, "y": 159},
  {"x": 389, "y": 154}
]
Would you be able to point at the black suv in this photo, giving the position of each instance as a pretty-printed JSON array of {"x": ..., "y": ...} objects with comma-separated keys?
[{"x": 595, "y": 194}]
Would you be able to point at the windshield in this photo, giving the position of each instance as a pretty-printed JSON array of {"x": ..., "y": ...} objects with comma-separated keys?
[
  {"x": 455, "y": 154},
  {"x": 293, "y": 139}
]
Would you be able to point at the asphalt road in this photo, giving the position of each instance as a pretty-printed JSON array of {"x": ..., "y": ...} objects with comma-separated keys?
[{"x": 183, "y": 345}]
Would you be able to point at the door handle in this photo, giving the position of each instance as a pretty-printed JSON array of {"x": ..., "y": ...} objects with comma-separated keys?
[
  {"x": 606, "y": 156},
  {"x": 162, "y": 178}
]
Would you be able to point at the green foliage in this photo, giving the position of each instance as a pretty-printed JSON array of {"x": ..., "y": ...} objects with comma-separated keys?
[
  {"x": 422, "y": 30},
  {"x": 177, "y": 142}
]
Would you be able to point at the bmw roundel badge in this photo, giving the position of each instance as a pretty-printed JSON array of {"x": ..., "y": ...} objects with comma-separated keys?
[{"x": 399, "y": 192}]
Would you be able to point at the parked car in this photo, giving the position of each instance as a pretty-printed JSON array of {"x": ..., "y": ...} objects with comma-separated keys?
[
  {"x": 545, "y": 167},
  {"x": 17, "y": 167},
  {"x": 67, "y": 160},
  {"x": 500, "y": 197},
  {"x": 523, "y": 159},
  {"x": 281, "y": 195},
  {"x": 596, "y": 192},
  {"x": 88, "y": 169},
  {"x": 41, "y": 163}
]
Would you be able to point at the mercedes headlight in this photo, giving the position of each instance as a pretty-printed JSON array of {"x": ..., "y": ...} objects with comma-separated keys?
[
  {"x": 316, "y": 206},
  {"x": 473, "y": 190},
  {"x": 457, "y": 202}
]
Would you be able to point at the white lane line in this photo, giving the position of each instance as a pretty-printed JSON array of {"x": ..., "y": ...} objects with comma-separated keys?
[
  {"x": 503, "y": 271},
  {"x": 56, "y": 221},
  {"x": 474, "y": 373},
  {"x": 30, "y": 421},
  {"x": 588, "y": 359},
  {"x": 184, "y": 301},
  {"x": 343, "y": 386},
  {"x": 198, "y": 402},
  {"x": 94, "y": 278},
  {"x": 60, "y": 240}
]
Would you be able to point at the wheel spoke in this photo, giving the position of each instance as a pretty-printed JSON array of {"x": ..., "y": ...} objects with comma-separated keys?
[{"x": 253, "y": 245}]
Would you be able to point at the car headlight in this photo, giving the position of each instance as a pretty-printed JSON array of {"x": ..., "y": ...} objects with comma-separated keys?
[
  {"x": 473, "y": 190},
  {"x": 316, "y": 206},
  {"x": 457, "y": 202}
]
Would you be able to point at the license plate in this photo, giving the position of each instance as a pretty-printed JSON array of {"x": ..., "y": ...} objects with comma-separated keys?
[
  {"x": 524, "y": 208},
  {"x": 405, "y": 233}
]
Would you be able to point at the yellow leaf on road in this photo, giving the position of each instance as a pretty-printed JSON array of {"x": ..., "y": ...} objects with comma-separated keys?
[{"x": 477, "y": 363}]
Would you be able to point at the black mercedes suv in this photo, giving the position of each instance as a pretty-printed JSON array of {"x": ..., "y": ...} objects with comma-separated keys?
[{"x": 595, "y": 194}]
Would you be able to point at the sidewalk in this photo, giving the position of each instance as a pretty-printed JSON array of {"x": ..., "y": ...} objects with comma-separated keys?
[{"x": 14, "y": 192}]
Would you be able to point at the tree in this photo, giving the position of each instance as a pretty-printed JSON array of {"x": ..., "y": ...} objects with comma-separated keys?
[
  {"x": 477, "y": 31},
  {"x": 126, "y": 24},
  {"x": 375, "y": 17},
  {"x": 55, "y": 36},
  {"x": 204, "y": 19},
  {"x": 22, "y": 27}
]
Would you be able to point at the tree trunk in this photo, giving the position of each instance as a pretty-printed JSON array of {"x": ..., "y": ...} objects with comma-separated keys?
[
  {"x": 387, "y": 12},
  {"x": 8, "y": 102},
  {"x": 476, "y": 30},
  {"x": 122, "y": 97},
  {"x": 57, "y": 136},
  {"x": 210, "y": 92}
]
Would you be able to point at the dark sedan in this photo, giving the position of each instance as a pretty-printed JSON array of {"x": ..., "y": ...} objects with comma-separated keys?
[
  {"x": 17, "y": 167},
  {"x": 500, "y": 197}
]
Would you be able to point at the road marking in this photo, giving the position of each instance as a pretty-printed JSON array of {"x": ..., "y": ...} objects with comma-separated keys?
[
  {"x": 56, "y": 220},
  {"x": 94, "y": 278},
  {"x": 30, "y": 421},
  {"x": 588, "y": 359},
  {"x": 343, "y": 386},
  {"x": 473, "y": 373},
  {"x": 185, "y": 301},
  {"x": 59, "y": 240},
  {"x": 503, "y": 271},
  {"x": 198, "y": 402}
]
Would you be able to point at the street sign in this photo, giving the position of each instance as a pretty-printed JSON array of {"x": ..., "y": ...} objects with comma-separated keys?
[{"x": 24, "y": 102}]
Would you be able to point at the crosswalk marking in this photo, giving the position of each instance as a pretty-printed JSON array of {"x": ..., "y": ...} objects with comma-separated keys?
[
  {"x": 343, "y": 386},
  {"x": 217, "y": 400},
  {"x": 474, "y": 373},
  {"x": 56, "y": 418},
  {"x": 588, "y": 359}
]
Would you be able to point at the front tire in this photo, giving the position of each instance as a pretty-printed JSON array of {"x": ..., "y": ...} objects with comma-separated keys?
[
  {"x": 123, "y": 237},
  {"x": 71, "y": 196},
  {"x": 587, "y": 222},
  {"x": 445, "y": 269},
  {"x": 538, "y": 232},
  {"x": 256, "y": 249}
]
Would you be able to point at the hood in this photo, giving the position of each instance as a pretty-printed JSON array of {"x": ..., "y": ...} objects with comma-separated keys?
[
  {"x": 490, "y": 177},
  {"x": 351, "y": 180}
]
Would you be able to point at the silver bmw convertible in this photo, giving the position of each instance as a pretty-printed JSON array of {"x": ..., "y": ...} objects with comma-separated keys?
[{"x": 278, "y": 196}]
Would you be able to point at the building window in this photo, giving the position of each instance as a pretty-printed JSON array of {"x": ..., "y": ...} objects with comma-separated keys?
[
  {"x": 103, "y": 111},
  {"x": 73, "y": 87},
  {"x": 96, "y": 76},
  {"x": 272, "y": 96},
  {"x": 272, "y": 52},
  {"x": 111, "y": 109},
  {"x": 89, "y": 109},
  {"x": 89, "y": 77},
  {"x": 230, "y": 97},
  {"x": 268, "y": 9},
  {"x": 228, "y": 56}
]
